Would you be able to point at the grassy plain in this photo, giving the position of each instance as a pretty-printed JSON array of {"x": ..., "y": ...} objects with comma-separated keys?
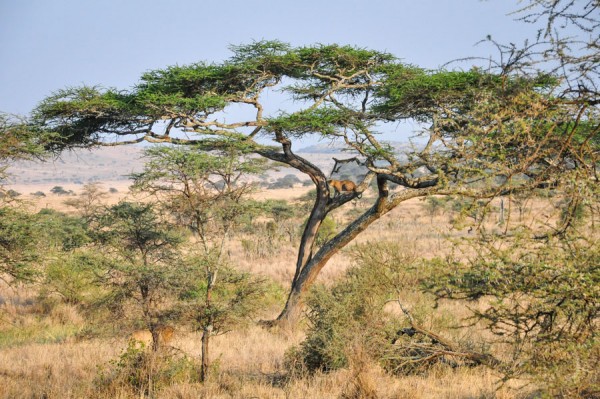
[{"x": 47, "y": 350}]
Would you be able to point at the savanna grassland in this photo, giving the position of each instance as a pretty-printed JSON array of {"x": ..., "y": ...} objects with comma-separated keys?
[
  {"x": 53, "y": 347},
  {"x": 464, "y": 265}
]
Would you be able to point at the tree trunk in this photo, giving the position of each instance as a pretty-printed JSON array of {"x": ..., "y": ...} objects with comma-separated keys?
[
  {"x": 306, "y": 276},
  {"x": 207, "y": 330},
  {"x": 317, "y": 215},
  {"x": 205, "y": 360},
  {"x": 155, "y": 339},
  {"x": 308, "y": 265}
]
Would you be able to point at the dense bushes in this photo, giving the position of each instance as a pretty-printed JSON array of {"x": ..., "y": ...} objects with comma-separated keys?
[
  {"x": 360, "y": 314},
  {"x": 538, "y": 301},
  {"x": 542, "y": 300}
]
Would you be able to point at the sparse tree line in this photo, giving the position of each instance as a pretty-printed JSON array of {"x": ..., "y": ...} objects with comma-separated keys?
[{"x": 510, "y": 153}]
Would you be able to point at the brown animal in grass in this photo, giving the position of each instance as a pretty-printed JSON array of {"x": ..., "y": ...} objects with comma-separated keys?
[
  {"x": 340, "y": 186},
  {"x": 143, "y": 338}
]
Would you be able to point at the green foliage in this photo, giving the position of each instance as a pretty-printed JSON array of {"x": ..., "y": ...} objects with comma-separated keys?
[
  {"x": 30, "y": 241},
  {"x": 233, "y": 301},
  {"x": 543, "y": 301},
  {"x": 326, "y": 121},
  {"x": 62, "y": 231},
  {"x": 340, "y": 319},
  {"x": 135, "y": 232},
  {"x": 80, "y": 115},
  {"x": 74, "y": 277},
  {"x": 20, "y": 139},
  {"x": 140, "y": 262},
  {"x": 412, "y": 92},
  {"x": 144, "y": 372},
  {"x": 74, "y": 116},
  {"x": 20, "y": 244}
]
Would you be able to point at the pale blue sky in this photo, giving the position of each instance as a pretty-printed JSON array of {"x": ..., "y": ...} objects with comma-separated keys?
[{"x": 46, "y": 45}]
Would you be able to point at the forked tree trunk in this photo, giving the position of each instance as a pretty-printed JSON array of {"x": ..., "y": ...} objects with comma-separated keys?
[
  {"x": 155, "y": 339},
  {"x": 307, "y": 272},
  {"x": 306, "y": 276},
  {"x": 309, "y": 265}
]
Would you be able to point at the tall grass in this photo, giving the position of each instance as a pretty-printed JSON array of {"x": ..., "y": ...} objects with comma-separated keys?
[{"x": 44, "y": 352}]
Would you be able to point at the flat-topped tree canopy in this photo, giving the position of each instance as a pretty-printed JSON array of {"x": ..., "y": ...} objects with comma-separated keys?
[
  {"x": 487, "y": 133},
  {"x": 343, "y": 93},
  {"x": 189, "y": 98}
]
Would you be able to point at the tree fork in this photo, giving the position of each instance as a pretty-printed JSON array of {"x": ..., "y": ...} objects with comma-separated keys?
[{"x": 293, "y": 307}]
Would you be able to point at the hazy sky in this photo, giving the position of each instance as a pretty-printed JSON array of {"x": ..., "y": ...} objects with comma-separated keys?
[{"x": 46, "y": 45}]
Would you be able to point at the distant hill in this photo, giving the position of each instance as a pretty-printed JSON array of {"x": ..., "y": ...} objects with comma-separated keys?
[
  {"x": 339, "y": 148},
  {"x": 80, "y": 167},
  {"x": 115, "y": 164}
]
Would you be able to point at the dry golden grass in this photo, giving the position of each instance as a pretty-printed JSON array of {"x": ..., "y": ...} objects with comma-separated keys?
[{"x": 248, "y": 363}]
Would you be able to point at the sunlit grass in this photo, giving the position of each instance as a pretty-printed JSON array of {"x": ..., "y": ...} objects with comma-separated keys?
[{"x": 43, "y": 352}]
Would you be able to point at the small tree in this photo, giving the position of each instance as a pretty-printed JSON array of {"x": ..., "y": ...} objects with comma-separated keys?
[
  {"x": 141, "y": 263},
  {"x": 206, "y": 193},
  {"x": 89, "y": 200},
  {"x": 218, "y": 299}
]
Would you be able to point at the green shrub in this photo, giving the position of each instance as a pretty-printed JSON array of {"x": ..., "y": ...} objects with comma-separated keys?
[
  {"x": 375, "y": 314},
  {"x": 351, "y": 316},
  {"x": 543, "y": 303},
  {"x": 144, "y": 372},
  {"x": 73, "y": 277}
]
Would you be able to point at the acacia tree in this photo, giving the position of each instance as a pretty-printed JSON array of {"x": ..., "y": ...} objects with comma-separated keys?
[
  {"x": 141, "y": 263},
  {"x": 484, "y": 134},
  {"x": 208, "y": 194},
  {"x": 89, "y": 200}
]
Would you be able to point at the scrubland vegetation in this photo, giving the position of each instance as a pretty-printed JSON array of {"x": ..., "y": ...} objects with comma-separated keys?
[
  {"x": 382, "y": 322},
  {"x": 464, "y": 266}
]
